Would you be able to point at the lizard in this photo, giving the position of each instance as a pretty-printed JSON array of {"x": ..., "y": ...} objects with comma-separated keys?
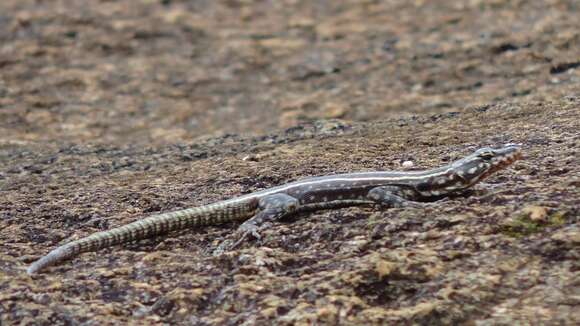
[{"x": 385, "y": 188}]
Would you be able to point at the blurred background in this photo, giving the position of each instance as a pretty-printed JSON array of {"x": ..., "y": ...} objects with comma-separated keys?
[{"x": 155, "y": 72}]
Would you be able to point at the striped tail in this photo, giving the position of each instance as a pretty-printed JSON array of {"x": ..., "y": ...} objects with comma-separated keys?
[{"x": 157, "y": 224}]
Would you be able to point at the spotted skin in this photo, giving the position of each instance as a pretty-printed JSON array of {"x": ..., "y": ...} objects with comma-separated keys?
[{"x": 386, "y": 189}]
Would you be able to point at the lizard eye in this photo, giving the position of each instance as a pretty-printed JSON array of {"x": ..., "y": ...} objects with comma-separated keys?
[{"x": 485, "y": 153}]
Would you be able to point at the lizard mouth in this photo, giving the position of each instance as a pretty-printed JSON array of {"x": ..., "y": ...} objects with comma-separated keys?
[
  {"x": 507, "y": 158},
  {"x": 512, "y": 154}
]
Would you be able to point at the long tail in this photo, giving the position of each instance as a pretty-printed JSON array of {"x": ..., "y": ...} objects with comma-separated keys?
[{"x": 151, "y": 226}]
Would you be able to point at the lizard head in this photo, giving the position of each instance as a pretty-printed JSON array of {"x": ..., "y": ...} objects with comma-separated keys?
[
  {"x": 469, "y": 170},
  {"x": 483, "y": 162}
]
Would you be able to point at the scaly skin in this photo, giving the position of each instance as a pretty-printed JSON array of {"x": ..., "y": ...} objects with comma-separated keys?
[
  {"x": 388, "y": 189},
  {"x": 221, "y": 212}
]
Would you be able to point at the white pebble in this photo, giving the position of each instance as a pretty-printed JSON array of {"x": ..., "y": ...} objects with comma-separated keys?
[{"x": 408, "y": 164}]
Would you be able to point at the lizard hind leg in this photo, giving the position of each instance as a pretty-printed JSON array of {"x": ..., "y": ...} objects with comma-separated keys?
[{"x": 270, "y": 208}]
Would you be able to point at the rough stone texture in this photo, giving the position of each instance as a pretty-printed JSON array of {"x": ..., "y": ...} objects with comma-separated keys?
[{"x": 113, "y": 110}]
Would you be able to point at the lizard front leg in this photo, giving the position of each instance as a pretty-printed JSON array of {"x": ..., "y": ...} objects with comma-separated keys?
[
  {"x": 270, "y": 208},
  {"x": 391, "y": 197}
]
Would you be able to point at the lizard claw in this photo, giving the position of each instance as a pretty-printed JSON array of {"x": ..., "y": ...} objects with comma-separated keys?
[
  {"x": 241, "y": 234},
  {"x": 250, "y": 229}
]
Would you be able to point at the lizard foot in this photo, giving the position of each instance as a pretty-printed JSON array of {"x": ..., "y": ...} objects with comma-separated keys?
[{"x": 240, "y": 235}]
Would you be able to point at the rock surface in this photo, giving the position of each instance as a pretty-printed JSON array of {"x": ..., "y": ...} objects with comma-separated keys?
[{"x": 111, "y": 111}]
